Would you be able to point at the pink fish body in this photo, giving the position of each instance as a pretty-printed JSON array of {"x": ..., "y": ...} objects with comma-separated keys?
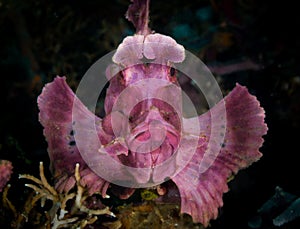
[{"x": 143, "y": 138}]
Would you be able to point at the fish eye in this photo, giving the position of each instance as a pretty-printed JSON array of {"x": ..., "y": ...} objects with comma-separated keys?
[{"x": 172, "y": 71}]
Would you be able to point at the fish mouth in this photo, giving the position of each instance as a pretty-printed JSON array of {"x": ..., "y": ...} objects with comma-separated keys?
[
  {"x": 151, "y": 157},
  {"x": 150, "y": 136}
]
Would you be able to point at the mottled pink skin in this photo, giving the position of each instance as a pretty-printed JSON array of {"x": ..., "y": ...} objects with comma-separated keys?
[
  {"x": 201, "y": 193},
  {"x": 164, "y": 50},
  {"x": 131, "y": 75},
  {"x": 56, "y": 104},
  {"x": 5, "y": 173},
  {"x": 153, "y": 109}
]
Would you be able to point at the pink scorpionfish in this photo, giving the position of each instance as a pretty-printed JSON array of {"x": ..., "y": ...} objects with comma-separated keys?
[{"x": 144, "y": 127}]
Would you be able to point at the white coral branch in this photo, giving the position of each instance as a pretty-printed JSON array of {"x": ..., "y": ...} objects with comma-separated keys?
[{"x": 59, "y": 216}]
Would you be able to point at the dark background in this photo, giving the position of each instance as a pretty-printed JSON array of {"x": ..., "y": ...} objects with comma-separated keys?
[{"x": 42, "y": 39}]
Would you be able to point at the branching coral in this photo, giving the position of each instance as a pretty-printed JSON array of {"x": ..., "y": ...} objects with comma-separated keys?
[{"x": 67, "y": 209}]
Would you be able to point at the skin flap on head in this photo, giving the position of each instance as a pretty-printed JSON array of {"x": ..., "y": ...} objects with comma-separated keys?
[{"x": 157, "y": 48}]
